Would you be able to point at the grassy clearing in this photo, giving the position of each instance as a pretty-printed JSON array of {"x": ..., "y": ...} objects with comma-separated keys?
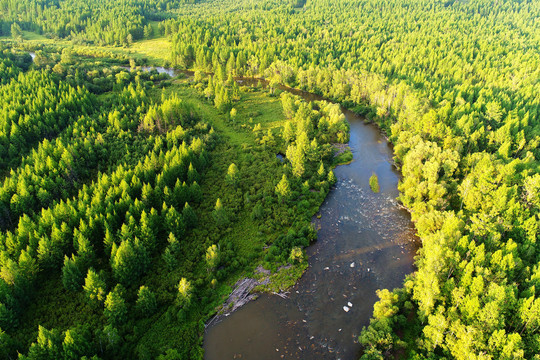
[
  {"x": 154, "y": 51},
  {"x": 259, "y": 108},
  {"x": 32, "y": 36},
  {"x": 218, "y": 120}
]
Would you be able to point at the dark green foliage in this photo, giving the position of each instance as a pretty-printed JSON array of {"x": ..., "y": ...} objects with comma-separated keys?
[
  {"x": 115, "y": 306},
  {"x": 129, "y": 261},
  {"x": 146, "y": 301},
  {"x": 72, "y": 276}
]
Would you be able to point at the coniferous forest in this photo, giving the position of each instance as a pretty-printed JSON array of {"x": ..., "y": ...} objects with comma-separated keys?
[{"x": 132, "y": 200}]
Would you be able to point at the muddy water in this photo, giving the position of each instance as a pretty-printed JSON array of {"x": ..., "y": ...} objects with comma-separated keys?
[{"x": 365, "y": 242}]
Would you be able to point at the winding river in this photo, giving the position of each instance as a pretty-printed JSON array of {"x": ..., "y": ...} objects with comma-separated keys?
[{"x": 366, "y": 241}]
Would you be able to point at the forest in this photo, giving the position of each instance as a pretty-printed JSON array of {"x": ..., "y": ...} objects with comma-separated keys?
[{"x": 125, "y": 195}]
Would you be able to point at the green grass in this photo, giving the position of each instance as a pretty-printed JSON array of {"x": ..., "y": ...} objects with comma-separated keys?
[
  {"x": 374, "y": 183},
  {"x": 155, "y": 51},
  {"x": 32, "y": 36},
  {"x": 284, "y": 278},
  {"x": 259, "y": 108}
]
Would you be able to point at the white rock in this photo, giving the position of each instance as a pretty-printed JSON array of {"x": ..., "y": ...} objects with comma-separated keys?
[
  {"x": 350, "y": 304},
  {"x": 352, "y": 265},
  {"x": 346, "y": 309}
]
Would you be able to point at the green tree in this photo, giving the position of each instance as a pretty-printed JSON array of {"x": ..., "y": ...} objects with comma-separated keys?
[
  {"x": 220, "y": 214},
  {"x": 189, "y": 216},
  {"x": 72, "y": 276},
  {"x": 129, "y": 261},
  {"x": 183, "y": 297},
  {"x": 283, "y": 189},
  {"x": 115, "y": 307},
  {"x": 94, "y": 286},
  {"x": 212, "y": 257},
  {"x": 146, "y": 301},
  {"x": 16, "y": 32},
  {"x": 232, "y": 174}
]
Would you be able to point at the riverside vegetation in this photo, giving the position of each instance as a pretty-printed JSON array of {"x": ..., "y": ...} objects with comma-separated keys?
[
  {"x": 453, "y": 84},
  {"x": 130, "y": 203}
]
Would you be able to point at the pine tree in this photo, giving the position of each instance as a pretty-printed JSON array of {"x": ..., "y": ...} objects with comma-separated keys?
[
  {"x": 282, "y": 188},
  {"x": 220, "y": 214},
  {"x": 76, "y": 344},
  {"x": 183, "y": 297},
  {"x": 146, "y": 301},
  {"x": 115, "y": 307},
  {"x": 232, "y": 174},
  {"x": 72, "y": 276},
  {"x": 94, "y": 286},
  {"x": 192, "y": 174},
  {"x": 212, "y": 257},
  {"x": 189, "y": 216},
  {"x": 129, "y": 261}
]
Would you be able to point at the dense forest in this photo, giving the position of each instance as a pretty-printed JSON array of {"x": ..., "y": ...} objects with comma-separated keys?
[
  {"x": 118, "y": 221},
  {"x": 123, "y": 193}
]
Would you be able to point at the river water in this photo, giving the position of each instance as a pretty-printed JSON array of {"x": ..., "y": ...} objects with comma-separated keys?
[{"x": 365, "y": 242}]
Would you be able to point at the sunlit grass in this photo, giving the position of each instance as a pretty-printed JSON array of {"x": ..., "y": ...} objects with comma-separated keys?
[{"x": 155, "y": 51}]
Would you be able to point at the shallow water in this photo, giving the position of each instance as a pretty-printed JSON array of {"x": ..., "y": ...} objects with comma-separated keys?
[{"x": 365, "y": 242}]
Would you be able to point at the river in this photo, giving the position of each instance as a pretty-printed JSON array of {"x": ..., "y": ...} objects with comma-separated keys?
[{"x": 366, "y": 241}]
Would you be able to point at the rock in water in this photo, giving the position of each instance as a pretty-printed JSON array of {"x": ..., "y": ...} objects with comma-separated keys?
[
  {"x": 350, "y": 304},
  {"x": 346, "y": 309}
]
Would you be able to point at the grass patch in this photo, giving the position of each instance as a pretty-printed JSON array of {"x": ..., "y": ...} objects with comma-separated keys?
[
  {"x": 284, "y": 278},
  {"x": 344, "y": 158},
  {"x": 374, "y": 183},
  {"x": 32, "y": 36},
  {"x": 156, "y": 50}
]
